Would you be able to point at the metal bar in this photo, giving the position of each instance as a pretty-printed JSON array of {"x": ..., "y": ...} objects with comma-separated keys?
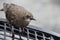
[
  {"x": 20, "y": 33},
  {"x": 35, "y": 35},
  {"x": 12, "y": 33},
  {"x": 27, "y": 34},
  {"x": 51, "y": 38},
  {"x": 43, "y": 36},
  {"x": 5, "y": 31},
  {"x": 8, "y": 36}
]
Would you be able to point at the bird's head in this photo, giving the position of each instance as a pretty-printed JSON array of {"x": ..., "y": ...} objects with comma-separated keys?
[{"x": 28, "y": 17}]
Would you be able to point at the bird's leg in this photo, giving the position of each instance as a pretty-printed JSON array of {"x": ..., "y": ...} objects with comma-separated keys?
[
  {"x": 23, "y": 30},
  {"x": 12, "y": 32}
]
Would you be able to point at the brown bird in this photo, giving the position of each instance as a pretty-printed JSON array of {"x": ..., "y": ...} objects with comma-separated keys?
[{"x": 17, "y": 15}]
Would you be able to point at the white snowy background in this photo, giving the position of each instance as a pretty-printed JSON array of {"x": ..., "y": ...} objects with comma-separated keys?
[{"x": 46, "y": 12}]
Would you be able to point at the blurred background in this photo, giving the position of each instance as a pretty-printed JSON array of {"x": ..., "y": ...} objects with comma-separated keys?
[{"x": 46, "y": 12}]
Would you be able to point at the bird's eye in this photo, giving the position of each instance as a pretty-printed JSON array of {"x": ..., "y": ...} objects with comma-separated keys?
[{"x": 28, "y": 16}]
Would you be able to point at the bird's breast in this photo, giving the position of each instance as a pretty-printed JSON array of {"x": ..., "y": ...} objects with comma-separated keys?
[{"x": 23, "y": 23}]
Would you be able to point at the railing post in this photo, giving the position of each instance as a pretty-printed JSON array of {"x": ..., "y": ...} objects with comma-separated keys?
[
  {"x": 43, "y": 36},
  {"x": 20, "y": 30},
  {"x": 51, "y": 38},
  {"x": 27, "y": 34},
  {"x": 4, "y": 31},
  {"x": 12, "y": 32},
  {"x": 35, "y": 35}
]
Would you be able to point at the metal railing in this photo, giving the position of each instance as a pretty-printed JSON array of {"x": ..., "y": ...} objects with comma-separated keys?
[{"x": 30, "y": 33}]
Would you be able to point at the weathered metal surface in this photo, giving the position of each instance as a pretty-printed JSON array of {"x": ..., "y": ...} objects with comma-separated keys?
[{"x": 31, "y": 32}]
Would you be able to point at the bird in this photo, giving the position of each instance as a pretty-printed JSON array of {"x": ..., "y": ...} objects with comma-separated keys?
[{"x": 17, "y": 15}]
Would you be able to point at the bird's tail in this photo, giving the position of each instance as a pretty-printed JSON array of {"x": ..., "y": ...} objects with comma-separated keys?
[{"x": 1, "y": 9}]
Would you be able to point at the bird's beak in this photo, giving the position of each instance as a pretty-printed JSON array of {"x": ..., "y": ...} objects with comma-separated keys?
[
  {"x": 1, "y": 9},
  {"x": 32, "y": 19}
]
